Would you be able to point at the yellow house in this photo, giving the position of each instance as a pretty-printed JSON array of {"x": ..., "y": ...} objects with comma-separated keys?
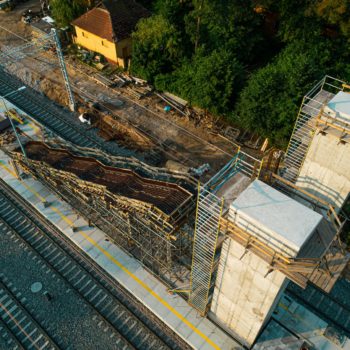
[{"x": 107, "y": 29}]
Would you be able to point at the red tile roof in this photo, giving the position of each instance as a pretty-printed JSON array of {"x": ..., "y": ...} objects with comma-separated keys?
[
  {"x": 115, "y": 21},
  {"x": 96, "y": 21}
]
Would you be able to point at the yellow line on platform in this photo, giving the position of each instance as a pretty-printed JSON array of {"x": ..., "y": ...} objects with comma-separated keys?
[{"x": 117, "y": 263}]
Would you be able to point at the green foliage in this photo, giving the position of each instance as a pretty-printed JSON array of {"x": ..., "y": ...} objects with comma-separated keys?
[
  {"x": 197, "y": 49},
  {"x": 269, "y": 103},
  {"x": 65, "y": 11},
  {"x": 228, "y": 24},
  {"x": 203, "y": 50},
  {"x": 175, "y": 12},
  {"x": 211, "y": 81},
  {"x": 336, "y": 13},
  {"x": 156, "y": 47},
  {"x": 148, "y": 4},
  {"x": 296, "y": 20}
]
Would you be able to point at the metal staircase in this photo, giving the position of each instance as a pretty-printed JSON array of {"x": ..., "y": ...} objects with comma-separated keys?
[
  {"x": 304, "y": 128},
  {"x": 209, "y": 211}
]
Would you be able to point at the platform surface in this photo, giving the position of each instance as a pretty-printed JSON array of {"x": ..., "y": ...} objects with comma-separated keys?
[{"x": 174, "y": 311}]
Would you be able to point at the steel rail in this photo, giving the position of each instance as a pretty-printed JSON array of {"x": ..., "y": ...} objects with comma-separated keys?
[
  {"x": 21, "y": 323},
  {"x": 323, "y": 304},
  {"x": 7, "y": 335},
  {"x": 150, "y": 331},
  {"x": 53, "y": 118}
]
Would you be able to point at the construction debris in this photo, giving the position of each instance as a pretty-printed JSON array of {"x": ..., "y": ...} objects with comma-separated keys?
[
  {"x": 30, "y": 16},
  {"x": 113, "y": 129},
  {"x": 7, "y": 137},
  {"x": 197, "y": 172}
]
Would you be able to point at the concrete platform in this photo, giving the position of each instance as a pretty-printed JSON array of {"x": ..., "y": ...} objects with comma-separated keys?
[{"x": 199, "y": 332}]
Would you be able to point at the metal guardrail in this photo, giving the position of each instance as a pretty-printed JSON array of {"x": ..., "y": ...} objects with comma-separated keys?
[
  {"x": 303, "y": 131},
  {"x": 241, "y": 162}
]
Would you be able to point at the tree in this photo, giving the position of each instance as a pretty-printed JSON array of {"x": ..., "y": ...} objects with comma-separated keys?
[
  {"x": 156, "y": 48},
  {"x": 208, "y": 81},
  {"x": 335, "y": 13},
  {"x": 229, "y": 24},
  {"x": 296, "y": 19},
  {"x": 270, "y": 101},
  {"x": 302, "y": 19},
  {"x": 146, "y": 3},
  {"x": 175, "y": 12},
  {"x": 203, "y": 50},
  {"x": 65, "y": 11}
]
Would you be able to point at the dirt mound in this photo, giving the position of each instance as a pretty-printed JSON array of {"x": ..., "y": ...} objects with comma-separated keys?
[{"x": 111, "y": 128}]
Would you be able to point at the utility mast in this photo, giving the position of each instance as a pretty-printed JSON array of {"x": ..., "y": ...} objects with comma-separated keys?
[{"x": 64, "y": 70}]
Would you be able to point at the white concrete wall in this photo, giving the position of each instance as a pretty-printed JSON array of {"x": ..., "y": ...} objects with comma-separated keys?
[
  {"x": 243, "y": 298},
  {"x": 326, "y": 170},
  {"x": 263, "y": 233},
  {"x": 276, "y": 219}
]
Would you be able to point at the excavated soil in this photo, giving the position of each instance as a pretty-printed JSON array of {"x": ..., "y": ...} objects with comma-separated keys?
[{"x": 122, "y": 182}]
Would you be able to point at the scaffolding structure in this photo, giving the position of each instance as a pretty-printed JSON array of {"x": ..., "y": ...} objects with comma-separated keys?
[
  {"x": 207, "y": 238},
  {"x": 325, "y": 123},
  {"x": 304, "y": 129},
  {"x": 242, "y": 163},
  {"x": 226, "y": 173},
  {"x": 333, "y": 258},
  {"x": 63, "y": 70},
  {"x": 213, "y": 227},
  {"x": 205, "y": 249},
  {"x": 144, "y": 223}
]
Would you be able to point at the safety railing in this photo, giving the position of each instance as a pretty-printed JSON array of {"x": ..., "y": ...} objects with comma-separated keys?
[
  {"x": 304, "y": 130},
  {"x": 241, "y": 162}
]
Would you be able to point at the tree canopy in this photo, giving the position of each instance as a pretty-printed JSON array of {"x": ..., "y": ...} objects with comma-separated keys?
[
  {"x": 65, "y": 11},
  {"x": 250, "y": 61},
  {"x": 210, "y": 81},
  {"x": 157, "y": 47},
  {"x": 270, "y": 101}
]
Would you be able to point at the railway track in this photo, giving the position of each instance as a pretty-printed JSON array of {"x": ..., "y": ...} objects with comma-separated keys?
[
  {"x": 24, "y": 329},
  {"x": 54, "y": 118},
  {"x": 5, "y": 228},
  {"x": 137, "y": 326},
  {"x": 322, "y": 304},
  {"x": 7, "y": 339}
]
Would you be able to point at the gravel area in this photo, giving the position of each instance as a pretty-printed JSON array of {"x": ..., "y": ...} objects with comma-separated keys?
[
  {"x": 6, "y": 340},
  {"x": 66, "y": 318}
]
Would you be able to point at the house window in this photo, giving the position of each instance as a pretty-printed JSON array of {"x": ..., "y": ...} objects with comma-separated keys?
[
  {"x": 104, "y": 43},
  {"x": 84, "y": 34}
]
